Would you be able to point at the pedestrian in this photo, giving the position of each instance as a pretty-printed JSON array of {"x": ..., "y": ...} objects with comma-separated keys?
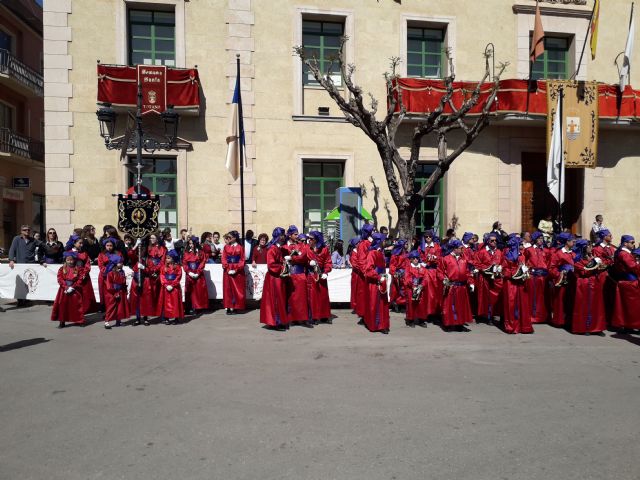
[
  {"x": 414, "y": 282},
  {"x": 273, "y": 304},
  {"x": 67, "y": 306},
  {"x": 397, "y": 267},
  {"x": 358, "y": 262},
  {"x": 167, "y": 239},
  {"x": 489, "y": 288},
  {"x": 105, "y": 265},
  {"x": 156, "y": 259},
  {"x": 260, "y": 251},
  {"x": 431, "y": 255},
  {"x": 626, "y": 272},
  {"x": 376, "y": 314},
  {"x": 115, "y": 292},
  {"x": 588, "y": 312},
  {"x": 457, "y": 280},
  {"x": 143, "y": 299},
  {"x": 233, "y": 276},
  {"x": 249, "y": 244},
  {"x": 90, "y": 244},
  {"x": 195, "y": 288},
  {"x": 597, "y": 226},
  {"x": 537, "y": 259},
  {"x": 501, "y": 236},
  {"x": 180, "y": 244},
  {"x": 562, "y": 264},
  {"x": 23, "y": 247},
  {"x": 216, "y": 247},
  {"x": 320, "y": 265},
  {"x": 297, "y": 290},
  {"x": 171, "y": 292},
  {"x": 83, "y": 263},
  {"x": 51, "y": 249},
  {"x": 516, "y": 311},
  {"x": 349, "y": 259}
]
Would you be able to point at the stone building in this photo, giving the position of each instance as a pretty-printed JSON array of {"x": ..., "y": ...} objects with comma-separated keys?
[
  {"x": 21, "y": 118},
  {"x": 298, "y": 145}
]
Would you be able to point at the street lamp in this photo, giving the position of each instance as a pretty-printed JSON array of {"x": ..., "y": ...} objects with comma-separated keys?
[
  {"x": 171, "y": 120},
  {"x": 107, "y": 118}
]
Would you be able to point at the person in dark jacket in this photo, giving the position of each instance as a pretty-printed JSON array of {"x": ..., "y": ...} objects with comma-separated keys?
[{"x": 51, "y": 249}]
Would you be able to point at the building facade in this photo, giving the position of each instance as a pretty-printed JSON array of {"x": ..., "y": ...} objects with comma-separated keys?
[
  {"x": 299, "y": 147},
  {"x": 21, "y": 118}
]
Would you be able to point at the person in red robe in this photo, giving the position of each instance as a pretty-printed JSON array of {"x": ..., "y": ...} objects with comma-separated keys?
[
  {"x": 626, "y": 271},
  {"x": 109, "y": 248},
  {"x": 171, "y": 292},
  {"x": 516, "y": 312},
  {"x": 115, "y": 292},
  {"x": 273, "y": 304},
  {"x": 142, "y": 302},
  {"x": 195, "y": 288},
  {"x": 320, "y": 265},
  {"x": 560, "y": 269},
  {"x": 361, "y": 253},
  {"x": 67, "y": 306},
  {"x": 454, "y": 273},
  {"x": 352, "y": 255},
  {"x": 156, "y": 259},
  {"x": 469, "y": 254},
  {"x": 297, "y": 291},
  {"x": 376, "y": 315},
  {"x": 537, "y": 260},
  {"x": 605, "y": 251},
  {"x": 233, "y": 276},
  {"x": 431, "y": 255},
  {"x": 83, "y": 263},
  {"x": 489, "y": 287},
  {"x": 397, "y": 266},
  {"x": 415, "y": 284},
  {"x": 588, "y": 313}
]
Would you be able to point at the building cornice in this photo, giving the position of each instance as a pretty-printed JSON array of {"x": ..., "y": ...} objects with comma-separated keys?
[{"x": 565, "y": 8}]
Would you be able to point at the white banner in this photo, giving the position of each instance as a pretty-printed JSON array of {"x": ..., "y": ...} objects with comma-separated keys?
[{"x": 35, "y": 282}]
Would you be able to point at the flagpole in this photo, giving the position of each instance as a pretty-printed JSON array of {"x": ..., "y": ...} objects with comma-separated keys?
[
  {"x": 241, "y": 142},
  {"x": 560, "y": 113},
  {"x": 584, "y": 45}
]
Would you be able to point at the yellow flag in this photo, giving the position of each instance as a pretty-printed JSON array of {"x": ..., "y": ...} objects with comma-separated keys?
[{"x": 595, "y": 20}]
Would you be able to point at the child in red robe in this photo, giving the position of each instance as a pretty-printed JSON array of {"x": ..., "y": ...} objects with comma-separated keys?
[
  {"x": 376, "y": 315},
  {"x": 68, "y": 303},
  {"x": 415, "y": 280},
  {"x": 233, "y": 277},
  {"x": 397, "y": 266},
  {"x": 454, "y": 272},
  {"x": 115, "y": 292},
  {"x": 561, "y": 267},
  {"x": 109, "y": 245},
  {"x": 83, "y": 263},
  {"x": 171, "y": 292},
  {"x": 516, "y": 312},
  {"x": 195, "y": 289},
  {"x": 320, "y": 263}
]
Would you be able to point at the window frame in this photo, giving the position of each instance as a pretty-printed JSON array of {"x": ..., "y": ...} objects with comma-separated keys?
[
  {"x": 12, "y": 115},
  {"x": 323, "y": 180},
  {"x": 152, "y": 36},
  {"x": 545, "y": 61},
  {"x": 421, "y": 211},
  {"x": 324, "y": 63},
  {"x": 442, "y": 67}
]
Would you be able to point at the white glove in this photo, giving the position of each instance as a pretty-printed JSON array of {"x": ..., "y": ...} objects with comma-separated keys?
[
  {"x": 141, "y": 266},
  {"x": 288, "y": 258},
  {"x": 475, "y": 271},
  {"x": 423, "y": 265},
  {"x": 169, "y": 288},
  {"x": 383, "y": 278},
  {"x": 499, "y": 268},
  {"x": 598, "y": 260},
  {"x": 472, "y": 287},
  {"x": 70, "y": 290},
  {"x": 525, "y": 269},
  {"x": 193, "y": 275},
  {"x": 312, "y": 263},
  {"x": 323, "y": 276},
  {"x": 138, "y": 243},
  {"x": 354, "y": 250},
  {"x": 232, "y": 272}
]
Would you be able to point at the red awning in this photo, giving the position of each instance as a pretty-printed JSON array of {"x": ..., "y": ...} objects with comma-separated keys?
[
  {"x": 117, "y": 86},
  {"x": 423, "y": 96}
]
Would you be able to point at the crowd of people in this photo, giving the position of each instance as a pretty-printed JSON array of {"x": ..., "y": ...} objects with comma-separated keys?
[{"x": 517, "y": 280}]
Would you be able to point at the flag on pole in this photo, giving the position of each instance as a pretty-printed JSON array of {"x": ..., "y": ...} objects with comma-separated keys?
[
  {"x": 555, "y": 165},
  {"x": 595, "y": 21},
  {"x": 628, "y": 51},
  {"x": 537, "y": 43},
  {"x": 235, "y": 137}
]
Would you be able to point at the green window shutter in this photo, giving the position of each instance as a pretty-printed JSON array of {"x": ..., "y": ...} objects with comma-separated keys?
[
  {"x": 430, "y": 213},
  {"x": 319, "y": 184},
  {"x": 152, "y": 38},
  {"x": 322, "y": 40},
  {"x": 426, "y": 52},
  {"x": 554, "y": 63}
]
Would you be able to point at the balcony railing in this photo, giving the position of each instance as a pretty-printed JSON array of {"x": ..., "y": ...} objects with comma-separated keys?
[
  {"x": 25, "y": 147},
  {"x": 10, "y": 65}
]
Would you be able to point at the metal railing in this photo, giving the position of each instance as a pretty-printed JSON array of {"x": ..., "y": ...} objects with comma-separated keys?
[
  {"x": 25, "y": 147},
  {"x": 10, "y": 65}
]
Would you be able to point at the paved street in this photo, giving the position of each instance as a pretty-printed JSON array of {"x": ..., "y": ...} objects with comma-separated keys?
[{"x": 222, "y": 398}]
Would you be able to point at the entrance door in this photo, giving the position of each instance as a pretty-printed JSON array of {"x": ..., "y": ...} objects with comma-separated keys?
[{"x": 537, "y": 201}]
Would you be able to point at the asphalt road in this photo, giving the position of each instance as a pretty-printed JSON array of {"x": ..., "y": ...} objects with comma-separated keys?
[{"x": 222, "y": 398}]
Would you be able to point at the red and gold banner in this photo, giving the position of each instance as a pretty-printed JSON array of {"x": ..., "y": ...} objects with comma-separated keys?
[
  {"x": 153, "y": 80},
  {"x": 117, "y": 85}
]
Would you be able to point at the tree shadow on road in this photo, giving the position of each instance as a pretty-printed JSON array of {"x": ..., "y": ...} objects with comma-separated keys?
[{"x": 22, "y": 343}]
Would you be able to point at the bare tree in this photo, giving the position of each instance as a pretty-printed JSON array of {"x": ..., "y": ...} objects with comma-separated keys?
[{"x": 400, "y": 172}]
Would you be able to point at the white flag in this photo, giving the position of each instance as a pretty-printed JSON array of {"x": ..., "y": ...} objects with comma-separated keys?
[
  {"x": 555, "y": 165},
  {"x": 628, "y": 51},
  {"x": 235, "y": 137}
]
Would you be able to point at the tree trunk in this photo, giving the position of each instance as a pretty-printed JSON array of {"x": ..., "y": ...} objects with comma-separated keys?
[{"x": 406, "y": 223}]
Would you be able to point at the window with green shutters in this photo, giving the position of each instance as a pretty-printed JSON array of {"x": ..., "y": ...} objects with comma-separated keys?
[
  {"x": 152, "y": 38},
  {"x": 430, "y": 214},
  {"x": 320, "y": 182},
  {"x": 322, "y": 41},
  {"x": 425, "y": 52},
  {"x": 554, "y": 63},
  {"x": 162, "y": 179}
]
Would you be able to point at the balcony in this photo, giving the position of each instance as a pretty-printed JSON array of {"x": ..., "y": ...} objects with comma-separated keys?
[
  {"x": 19, "y": 76},
  {"x": 17, "y": 146}
]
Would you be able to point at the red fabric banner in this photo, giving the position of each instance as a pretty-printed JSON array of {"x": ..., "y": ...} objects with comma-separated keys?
[
  {"x": 153, "y": 79},
  {"x": 423, "y": 96},
  {"x": 117, "y": 86}
]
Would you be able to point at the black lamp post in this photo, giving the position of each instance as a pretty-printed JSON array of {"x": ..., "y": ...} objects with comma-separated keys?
[{"x": 107, "y": 118}]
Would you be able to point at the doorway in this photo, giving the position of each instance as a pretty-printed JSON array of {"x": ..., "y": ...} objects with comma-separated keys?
[{"x": 537, "y": 201}]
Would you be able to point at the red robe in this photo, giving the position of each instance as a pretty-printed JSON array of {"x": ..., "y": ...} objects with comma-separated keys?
[
  {"x": 195, "y": 290},
  {"x": 83, "y": 264},
  {"x": 376, "y": 315},
  {"x": 626, "y": 307},
  {"x": 469, "y": 254},
  {"x": 362, "y": 286},
  {"x": 67, "y": 307},
  {"x": 397, "y": 266},
  {"x": 297, "y": 294},
  {"x": 606, "y": 253},
  {"x": 432, "y": 294},
  {"x": 233, "y": 286},
  {"x": 116, "y": 306},
  {"x": 103, "y": 260},
  {"x": 560, "y": 260},
  {"x": 537, "y": 259},
  {"x": 149, "y": 305},
  {"x": 319, "y": 290},
  {"x": 516, "y": 311},
  {"x": 415, "y": 275},
  {"x": 156, "y": 255},
  {"x": 488, "y": 290},
  {"x": 355, "y": 272},
  {"x": 588, "y": 306},
  {"x": 456, "y": 308},
  {"x": 171, "y": 301},
  {"x": 260, "y": 255},
  {"x": 273, "y": 304}
]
